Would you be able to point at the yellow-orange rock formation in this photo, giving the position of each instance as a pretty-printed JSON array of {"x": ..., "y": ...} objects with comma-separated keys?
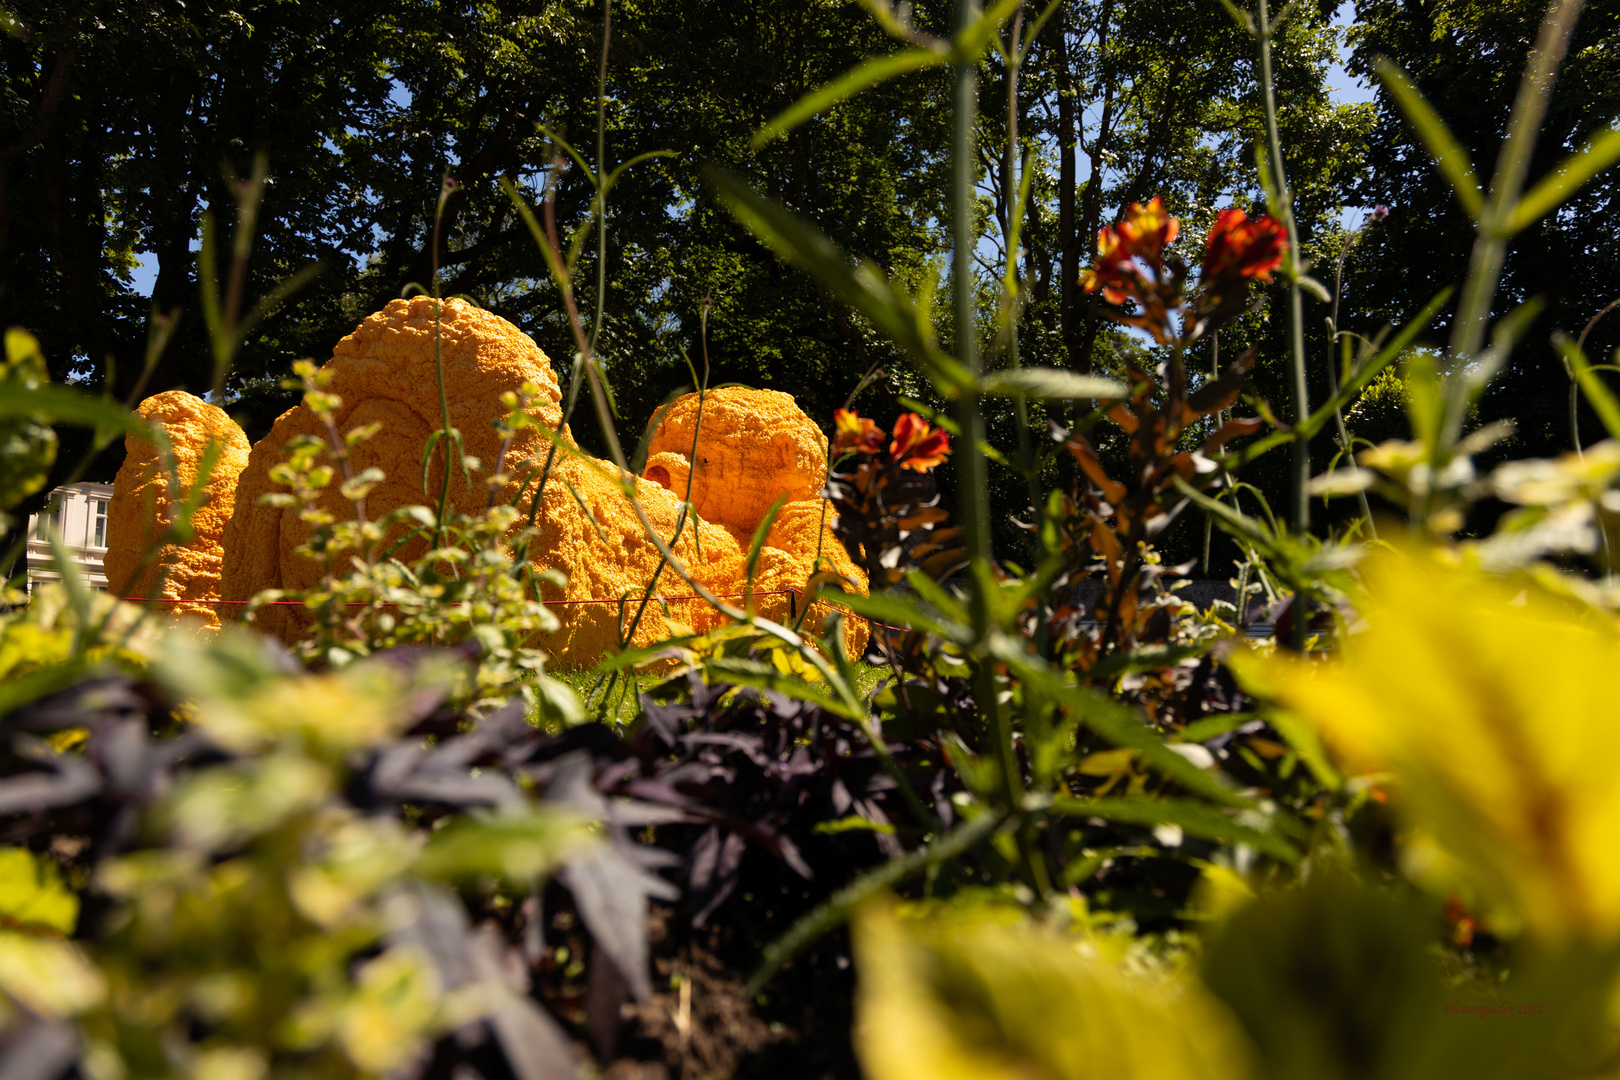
[
  {"x": 384, "y": 372},
  {"x": 143, "y": 507},
  {"x": 753, "y": 447}
]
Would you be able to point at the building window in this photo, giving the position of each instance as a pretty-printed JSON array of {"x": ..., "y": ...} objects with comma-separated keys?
[
  {"x": 49, "y": 520},
  {"x": 98, "y": 523}
]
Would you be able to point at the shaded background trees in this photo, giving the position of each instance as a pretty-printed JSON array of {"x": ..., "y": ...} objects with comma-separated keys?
[{"x": 118, "y": 122}]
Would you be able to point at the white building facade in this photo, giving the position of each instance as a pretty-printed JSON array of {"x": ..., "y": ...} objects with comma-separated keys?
[{"x": 77, "y": 516}]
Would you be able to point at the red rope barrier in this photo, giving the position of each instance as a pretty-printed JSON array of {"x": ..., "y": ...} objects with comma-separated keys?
[
  {"x": 391, "y": 603},
  {"x": 548, "y": 603}
]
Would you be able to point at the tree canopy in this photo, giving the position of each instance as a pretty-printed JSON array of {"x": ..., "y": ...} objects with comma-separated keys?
[{"x": 123, "y": 126}]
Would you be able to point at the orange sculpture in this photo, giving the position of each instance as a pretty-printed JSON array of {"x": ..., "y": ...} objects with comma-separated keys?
[
  {"x": 143, "y": 505},
  {"x": 384, "y": 372},
  {"x": 753, "y": 447}
]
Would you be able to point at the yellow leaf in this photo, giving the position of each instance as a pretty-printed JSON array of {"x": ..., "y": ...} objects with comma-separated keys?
[
  {"x": 48, "y": 977},
  {"x": 32, "y": 896},
  {"x": 970, "y": 997},
  {"x": 384, "y": 1024},
  {"x": 1491, "y": 702},
  {"x": 1107, "y": 762}
]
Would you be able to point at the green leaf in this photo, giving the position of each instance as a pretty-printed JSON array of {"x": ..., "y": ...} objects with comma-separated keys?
[
  {"x": 579, "y": 159},
  {"x": 763, "y": 676},
  {"x": 516, "y": 846},
  {"x": 970, "y": 43},
  {"x": 1113, "y": 721},
  {"x": 868, "y": 74},
  {"x": 1304, "y": 741},
  {"x": 1244, "y": 20},
  {"x": 1192, "y": 818},
  {"x": 1353, "y": 385},
  {"x": 65, "y": 405},
  {"x": 758, "y": 543},
  {"x": 1211, "y": 726},
  {"x": 1603, "y": 402},
  {"x": 271, "y": 301},
  {"x": 1449, "y": 156},
  {"x": 863, "y": 287},
  {"x": 1144, "y": 658},
  {"x": 898, "y": 611},
  {"x": 32, "y": 896},
  {"x": 1051, "y": 384},
  {"x": 1601, "y": 151},
  {"x": 637, "y": 160}
]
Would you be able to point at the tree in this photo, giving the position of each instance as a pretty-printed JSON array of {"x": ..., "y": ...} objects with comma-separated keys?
[{"x": 1466, "y": 58}]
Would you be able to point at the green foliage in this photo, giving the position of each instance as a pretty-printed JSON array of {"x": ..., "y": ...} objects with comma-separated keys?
[
  {"x": 1132, "y": 843},
  {"x": 27, "y": 443}
]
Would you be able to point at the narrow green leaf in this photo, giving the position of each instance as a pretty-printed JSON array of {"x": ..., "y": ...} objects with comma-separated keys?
[
  {"x": 1051, "y": 384},
  {"x": 579, "y": 159},
  {"x": 1144, "y": 658},
  {"x": 65, "y": 405},
  {"x": 1303, "y": 739},
  {"x": 970, "y": 43},
  {"x": 1244, "y": 20},
  {"x": 1211, "y": 726},
  {"x": 271, "y": 301},
  {"x": 1364, "y": 374},
  {"x": 758, "y": 543},
  {"x": 1449, "y": 156},
  {"x": 898, "y": 611},
  {"x": 1192, "y": 818},
  {"x": 1234, "y": 521},
  {"x": 1505, "y": 334},
  {"x": 637, "y": 160},
  {"x": 868, "y": 74},
  {"x": 1113, "y": 721},
  {"x": 763, "y": 676},
  {"x": 1601, "y": 151},
  {"x": 1035, "y": 31},
  {"x": 590, "y": 517},
  {"x": 1603, "y": 402},
  {"x": 834, "y": 911},
  {"x": 863, "y": 287}
]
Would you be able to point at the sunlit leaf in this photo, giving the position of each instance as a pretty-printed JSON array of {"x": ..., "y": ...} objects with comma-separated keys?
[
  {"x": 981, "y": 996},
  {"x": 1488, "y": 700},
  {"x": 1565, "y": 179},
  {"x": 1051, "y": 384},
  {"x": 32, "y": 896},
  {"x": 1193, "y": 818},
  {"x": 876, "y": 70},
  {"x": 862, "y": 286},
  {"x": 1449, "y": 156},
  {"x": 516, "y": 846}
]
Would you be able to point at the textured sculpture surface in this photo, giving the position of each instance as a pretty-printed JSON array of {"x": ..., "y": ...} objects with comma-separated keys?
[
  {"x": 385, "y": 372},
  {"x": 753, "y": 447},
  {"x": 143, "y": 506}
]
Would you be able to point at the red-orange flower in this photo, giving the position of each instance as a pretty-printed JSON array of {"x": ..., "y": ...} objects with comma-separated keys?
[
  {"x": 1115, "y": 274},
  {"x": 1146, "y": 231},
  {"x": 916, "y": 445},
  {"x": 1239, "y": 247},
  {"x": 1142, "y": 233},
  {"x": 856, "y": 433}
]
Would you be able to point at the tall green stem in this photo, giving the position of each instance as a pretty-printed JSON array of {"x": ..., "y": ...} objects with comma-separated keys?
[
  {"x": 1296, "y": 313},
  {"x": 972, "y": 481},
  {"x": 1333, "y": 374},
  {"x": 1012, "y": 187},
  {"x": 1490, "y": 244},
  {"x": 601, "y": 178}
]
